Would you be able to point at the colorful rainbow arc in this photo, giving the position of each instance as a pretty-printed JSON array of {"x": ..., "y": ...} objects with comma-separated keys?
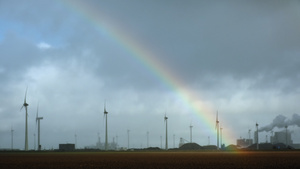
[{"x": 146, "y": 58}]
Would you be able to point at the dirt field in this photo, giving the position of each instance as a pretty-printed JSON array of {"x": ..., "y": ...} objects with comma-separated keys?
[{"x": 271, "y": 159}]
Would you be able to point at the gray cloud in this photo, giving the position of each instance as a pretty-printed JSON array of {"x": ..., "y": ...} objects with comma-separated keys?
[{"x": 240, "y": 58}]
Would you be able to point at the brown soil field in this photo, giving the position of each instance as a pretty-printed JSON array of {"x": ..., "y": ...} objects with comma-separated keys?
[{"x": 251, "y": 159}]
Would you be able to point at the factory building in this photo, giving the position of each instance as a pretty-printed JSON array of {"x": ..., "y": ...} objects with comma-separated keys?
[
  {"x": 66, "y": 147},
  {"x": 281, "y": 137}
]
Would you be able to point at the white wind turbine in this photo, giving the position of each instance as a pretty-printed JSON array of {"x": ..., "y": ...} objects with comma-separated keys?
[
  {"x": 128, "y": 138},
  {"x": 25, "y": 104},
  {"x": 221, "y": 135},
  {"x": 166, "y": 121},
  {"x": 12, "y": 138},
  {"x": 257, "y": 136},
  {"x": 191, "y": 133},
  {"x": 39, "y": 131},
  {"x": 147, "y": 139},
  {"x": 105, "y": 114},
  {"x": 217, "y": 127}
]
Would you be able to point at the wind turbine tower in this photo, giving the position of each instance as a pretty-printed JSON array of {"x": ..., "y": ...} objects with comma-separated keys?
[
  {"x": 191, "y": 133},
  {"x": 75, "y": 140},
  {"x": 12, "y": 138},
  {"x": 217, "y": 127},
  {"x": 128, "y": 138},
  {"x": 25, "y": 104},
  {"x": 166, "y": 120},
  {"x": 286, "y": 136},
  {"x": 257, "y": 136},
  {"x": 39, "y": 130},
  {"x": 147, "y": 139},
  {"x": 105, "y": 114},
  {"x": 221, "y": 135},
  {"x": 208, "y": 143}
]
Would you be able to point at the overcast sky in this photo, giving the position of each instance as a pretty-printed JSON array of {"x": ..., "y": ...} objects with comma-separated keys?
[{"x": 240, "y": 58}]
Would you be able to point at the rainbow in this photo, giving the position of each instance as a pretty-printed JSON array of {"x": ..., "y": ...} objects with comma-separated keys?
[{"x": 139, "y": 52}]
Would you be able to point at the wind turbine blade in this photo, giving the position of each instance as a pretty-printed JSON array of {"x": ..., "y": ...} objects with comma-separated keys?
[
  {"x": 37, "y": 113},
  {"x": 216, "y": 121},
  {"x": 21, "y": 108},
  {"x": 25, "y": 94}
]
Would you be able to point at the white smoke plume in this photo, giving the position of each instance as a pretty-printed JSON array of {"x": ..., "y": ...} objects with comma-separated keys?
[{"x": 281, "y": 121}]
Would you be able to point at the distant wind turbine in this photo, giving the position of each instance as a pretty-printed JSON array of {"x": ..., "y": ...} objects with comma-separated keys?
[
  {"x": 25, "y": 104},
  {"x": 12, "y": 138},
  {"x": 256, "y": 136},
  {"x": 208, "y": 143},
  {"x": 191, "y": 133},
  {"x": 105, "y": 114},
  {"x": 221, "y": 135},
  {"x": 217, "y": 127},
  {"x": 286, "y": 136},
  {"x": 166, "y": 121},
  {"x": 128, "y": 139},
  {"x": 75, "y": 141},
  {"x": 147, "y": 139},
  {"x": 39, "y": 130}
]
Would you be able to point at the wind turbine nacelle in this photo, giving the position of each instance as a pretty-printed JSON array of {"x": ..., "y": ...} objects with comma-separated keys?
[{"x": 25, "y": 104}]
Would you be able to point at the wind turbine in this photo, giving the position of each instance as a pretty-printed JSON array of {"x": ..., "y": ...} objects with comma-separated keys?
[
  {"x": 128, "y": 138},
  {"x": 75, "y": 140},
  {"x": 105, "y": 114},
  {"x": 191, "y": 133},
  {"x": 221, "y": 135},
  {"x": 286, "y": 136},
  {"x": 166, "y": 121},
  {"x": 12, "y": 138},
  {"x": 217, "y": 127},
  {"x": 208, "y": 141},
  {"x": 39, "y": 131},
  {"x": 147, "y": 139},
  {"x": 26, "y": 121},
  {"x": 257, "y": 136}
]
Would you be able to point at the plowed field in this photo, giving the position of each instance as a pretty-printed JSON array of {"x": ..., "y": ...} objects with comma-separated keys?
[{"x": 272, "y": 159}]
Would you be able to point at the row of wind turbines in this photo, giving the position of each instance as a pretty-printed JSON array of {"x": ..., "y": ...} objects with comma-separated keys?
[
  {"x": 218, "y": 128},
  {"x": 25, "y": 105}
]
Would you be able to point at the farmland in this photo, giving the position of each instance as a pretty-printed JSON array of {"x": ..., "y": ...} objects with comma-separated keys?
[{"x": 244, "y": 159}]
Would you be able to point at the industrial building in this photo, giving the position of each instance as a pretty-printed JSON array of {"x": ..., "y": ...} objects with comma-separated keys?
[
  {"x": 282, "y": 137},
  {"x": 66, "y": 147}
]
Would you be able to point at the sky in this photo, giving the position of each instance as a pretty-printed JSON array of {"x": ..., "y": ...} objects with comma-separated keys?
[{"x": 144, "y": 60}]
